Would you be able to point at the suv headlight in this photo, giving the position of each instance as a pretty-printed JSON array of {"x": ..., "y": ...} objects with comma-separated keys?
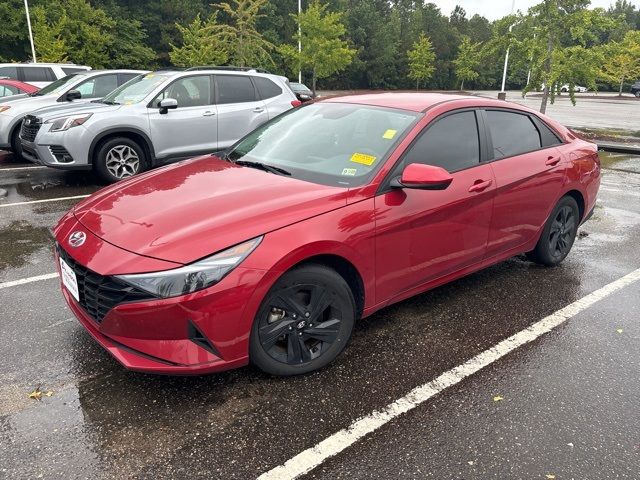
[
  {"x": 193, "y": 277},
  {"x": 65, "y": 123}
]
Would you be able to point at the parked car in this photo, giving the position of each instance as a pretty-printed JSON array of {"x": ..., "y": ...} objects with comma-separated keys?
[
  {"x": 39, "y": 74},
  {"x": 319, "y": 217},
  {"x": 576, "y": 88},
  {"x": 77, "y": 88},
  {"x": 155, "y": 119},
  {"x": 9, "y": 88},
  {"x": 303, "y": 93},
  {"x": 635, "y": 89}
]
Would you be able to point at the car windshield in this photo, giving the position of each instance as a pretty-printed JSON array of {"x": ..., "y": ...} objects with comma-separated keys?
[
  {"x": 59, "y": 85},
  {"x": 135, "y": 90},
  {"x": 337, "y": 144},
  {"x": 299, "y": 87}
]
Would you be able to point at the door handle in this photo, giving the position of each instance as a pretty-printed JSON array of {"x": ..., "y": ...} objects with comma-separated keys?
[
  {"x": 552, "y": 161},
  {"x": 208, "y": 113},
  {"x": 258, "y": 110},
  {"x": 480, "y": 185}
]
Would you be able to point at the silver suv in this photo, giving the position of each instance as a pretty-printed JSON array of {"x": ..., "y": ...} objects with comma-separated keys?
[
  {"x": 155, "y": 119},
  {"x": 70, "y": 90}
]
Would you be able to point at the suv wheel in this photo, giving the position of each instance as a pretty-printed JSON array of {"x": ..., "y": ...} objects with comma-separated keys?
[
  {"x": 16, "y": 147},
  {"x": 119, "y": 158}
]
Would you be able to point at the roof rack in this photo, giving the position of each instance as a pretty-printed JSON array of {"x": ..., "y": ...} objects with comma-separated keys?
[
  {"x": 170, "y": 69},
  {"x": 227, "y": 67}
]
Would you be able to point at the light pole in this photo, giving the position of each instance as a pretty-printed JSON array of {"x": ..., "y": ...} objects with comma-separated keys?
[
  {"x": 299, "y": 41},
  {"x": 503, "y": 95},
  {"x": 33, "y": 49}
]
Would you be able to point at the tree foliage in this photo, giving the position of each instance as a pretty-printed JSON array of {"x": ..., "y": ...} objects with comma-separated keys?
[
  {"x": 467, "y": 62},
  {"x": 200, "y": 44},
  {"x": 47, "y": 38},
  {"x": 622, "y": 60},
  {"x": 421, "y": 60}
]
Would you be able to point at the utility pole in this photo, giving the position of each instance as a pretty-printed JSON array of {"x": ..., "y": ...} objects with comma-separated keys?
[
  {"x": 503, "y": 95},
  {"x": 299, "y": 40},
  {"x": 33, "y": 48}
]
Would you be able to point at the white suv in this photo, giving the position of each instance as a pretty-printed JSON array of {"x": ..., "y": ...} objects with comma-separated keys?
[
  {"x": 155, "y": 119},
  {"x": 39, "y": 74}
]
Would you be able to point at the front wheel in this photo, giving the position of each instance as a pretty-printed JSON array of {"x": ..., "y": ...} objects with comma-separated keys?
[
  {"x": 558, "y": 234},
  {"x": 304, "y": 322},
  {"x": 119, "y": 158},
  {"x": 16, "y": 146}
]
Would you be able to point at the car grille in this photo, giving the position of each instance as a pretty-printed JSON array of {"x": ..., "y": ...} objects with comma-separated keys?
[
  {"x": 60, "y": 153},
  {"x": 99, "y": 293},
  {"x": 30, "y": 127}
]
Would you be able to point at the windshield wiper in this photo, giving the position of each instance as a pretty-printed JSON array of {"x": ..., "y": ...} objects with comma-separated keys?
[{"x": 263, "y": 166}]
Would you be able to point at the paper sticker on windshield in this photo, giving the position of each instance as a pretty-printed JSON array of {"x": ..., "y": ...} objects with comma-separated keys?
[
  {"x": 363, "y": 158},
  {"x": 349, "y": 171},
  {"x": 389, "y": 134},
  {"x": 149, "y": 75}
]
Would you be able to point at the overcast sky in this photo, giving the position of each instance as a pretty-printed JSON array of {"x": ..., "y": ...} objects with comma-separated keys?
[{"x": 493, "y": 9}]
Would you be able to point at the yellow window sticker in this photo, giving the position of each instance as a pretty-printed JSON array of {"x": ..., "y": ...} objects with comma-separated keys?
[
  {"x": 349, "y": 171},
  {"x": 363, "y": 158},
  {"x": 389, "y": 134}
]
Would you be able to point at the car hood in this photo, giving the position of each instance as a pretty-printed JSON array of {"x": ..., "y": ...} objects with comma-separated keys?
[
  {"x": 11, "y": 98},
  {"x": 60, "y": 109},
  {"x": 21, "y": 106},
  {"x": 194, "y": 208}
]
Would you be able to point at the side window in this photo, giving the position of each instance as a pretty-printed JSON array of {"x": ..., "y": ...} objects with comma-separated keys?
[
  {"x": 235, "y": 89},
  {"x": 11, "y": 72},
  {"x": 192, "y": 91},
  {"x": 266, "y": 88},
  {"x": 37, "y": 74},
  {"x": 549, "y": 138},
  {"x": 98, "y": 87},
  {"x": 451, "y": 143},
  {"x": 512, "y": 133},
  {"x": 125, "y": 77},
  {"x": 6, "y": 90},
  {"x": 70, "y": 70}
]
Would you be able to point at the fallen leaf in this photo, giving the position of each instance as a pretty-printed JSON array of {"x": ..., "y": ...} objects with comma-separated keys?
[
  {"x": 36, "y": 394},
  {"x": 550, "y": 476},
  {"x": 619, "y": 330},
  {"x": 470, "y": 462},
  {"x": 49, "y": 393},
  {"x": 498, "y": 398}
]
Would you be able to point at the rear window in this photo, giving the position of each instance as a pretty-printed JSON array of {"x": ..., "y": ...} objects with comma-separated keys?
[
  {"x": 70, "y": 70},
  {"x": 266, "y": 88},
  {"x": 37, "y": 74},
  {"x": 11, "y": 72},
  {"x": 235, "y": 89},
  {"x": 512, "y": 133}
]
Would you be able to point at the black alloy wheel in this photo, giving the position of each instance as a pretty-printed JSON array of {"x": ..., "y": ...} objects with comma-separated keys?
[
  {"x": 304, "y": 322},
  {"x": 558, "y": 234}
]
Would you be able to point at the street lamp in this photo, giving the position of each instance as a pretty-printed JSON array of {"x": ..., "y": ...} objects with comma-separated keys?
[
  {"x": 33, "y": 49},
  {"x": 503, "y": 95},
  {"x": 299, "y": 42}
]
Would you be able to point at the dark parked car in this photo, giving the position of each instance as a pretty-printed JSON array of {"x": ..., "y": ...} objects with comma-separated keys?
[
  {"x": 635, "y": 89},
  {"x": 302, "y": 92}
]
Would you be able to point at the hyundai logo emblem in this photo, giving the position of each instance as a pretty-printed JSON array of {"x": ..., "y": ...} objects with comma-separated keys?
[
  {"x": 77, "y": 238},
  {"x": 27, "y": 121}
]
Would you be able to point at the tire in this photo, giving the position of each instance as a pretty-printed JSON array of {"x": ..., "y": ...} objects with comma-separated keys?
[
  {"x": 558, "y": 234},
  {"x": 16, "y": 147},
  {"x": 284, "y": 341},
  {"x": 637, "y": 93},
  {"x": 119, "y": 158}
]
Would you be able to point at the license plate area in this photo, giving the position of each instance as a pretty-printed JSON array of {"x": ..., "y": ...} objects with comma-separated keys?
[{"x": 69, "y": 279}]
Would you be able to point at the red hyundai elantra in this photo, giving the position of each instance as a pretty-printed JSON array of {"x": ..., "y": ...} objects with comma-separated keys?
[{"x": 326, "y": 214}]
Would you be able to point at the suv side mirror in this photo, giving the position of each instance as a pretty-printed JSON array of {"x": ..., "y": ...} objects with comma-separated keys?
[
  {"x": 167, "y": 104},
  {"x": 421, "y": 176},
  {"x": 72, "y": 95}
]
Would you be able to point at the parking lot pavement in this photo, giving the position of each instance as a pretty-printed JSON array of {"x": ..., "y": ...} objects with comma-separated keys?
[{"x": 576, "y": 385}]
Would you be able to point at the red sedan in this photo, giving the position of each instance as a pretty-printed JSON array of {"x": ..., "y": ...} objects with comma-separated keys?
[
  {"x": 324, "y": 215},
  {"x": 10, "y": 87}
]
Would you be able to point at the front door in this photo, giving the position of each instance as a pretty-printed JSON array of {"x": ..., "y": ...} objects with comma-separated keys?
[{"x": 422, "y": 235}]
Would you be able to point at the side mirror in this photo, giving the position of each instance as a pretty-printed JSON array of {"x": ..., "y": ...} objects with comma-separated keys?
[
  {"x": 72, "y": 95},
  {"x": 167, "y": 104},
  {"x": 421, "y": 176}
]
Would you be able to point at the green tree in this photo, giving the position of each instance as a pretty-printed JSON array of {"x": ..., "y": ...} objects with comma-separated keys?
[
  {"x": 47, "y": 38},
  {"x": 622, "y": 60},
  {"x": 200, "y": 44},
  {"x": 421, "y": 60},
  {"x": 246, "y": 46},
  {"x": 324, "y": 52},
  {"x": 468, "y": 61}
]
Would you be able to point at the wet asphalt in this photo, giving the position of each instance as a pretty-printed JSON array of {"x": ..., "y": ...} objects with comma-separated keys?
[{"x": 570, "y": 399}]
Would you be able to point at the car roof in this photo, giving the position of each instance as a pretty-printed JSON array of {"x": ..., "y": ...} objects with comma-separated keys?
[
  {"x": 420, "y": 102},
  {"x": 11, "y": 81}
]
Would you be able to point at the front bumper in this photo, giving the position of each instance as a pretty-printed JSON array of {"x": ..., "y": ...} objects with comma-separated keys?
[
  {"x": 157, "y": 335},
  {"x": 65, "y": 150}
]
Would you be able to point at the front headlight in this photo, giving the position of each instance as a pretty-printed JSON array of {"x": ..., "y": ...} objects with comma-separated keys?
[
  {"x": 193, "y": 277},
  {"x": 65, "y": 123}
]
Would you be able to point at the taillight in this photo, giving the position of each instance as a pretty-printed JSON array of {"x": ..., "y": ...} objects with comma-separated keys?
[{"x": 295, "y": 103}]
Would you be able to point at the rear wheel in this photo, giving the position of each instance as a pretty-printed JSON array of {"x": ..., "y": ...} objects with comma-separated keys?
[
  {"x": 304, "y": 322},
  {"x": 119, "y": 158},
  {"x": 558, "y": 234}
]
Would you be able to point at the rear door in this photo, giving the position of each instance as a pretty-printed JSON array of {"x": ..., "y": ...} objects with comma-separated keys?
[
  {"x": 191, "y": 128},
  {"x": 240, "y": 109},
  {"x": 272, "y": 95},
  {"x": 529, "y": 172}
]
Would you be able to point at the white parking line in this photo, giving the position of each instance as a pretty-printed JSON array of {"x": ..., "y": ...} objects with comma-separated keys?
[
  {"x": 309, "y": 459},
  {"x": 15, "y": 204},
  {"x": 22, "y": 281},
  {"x": 14, "y": 169}
]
